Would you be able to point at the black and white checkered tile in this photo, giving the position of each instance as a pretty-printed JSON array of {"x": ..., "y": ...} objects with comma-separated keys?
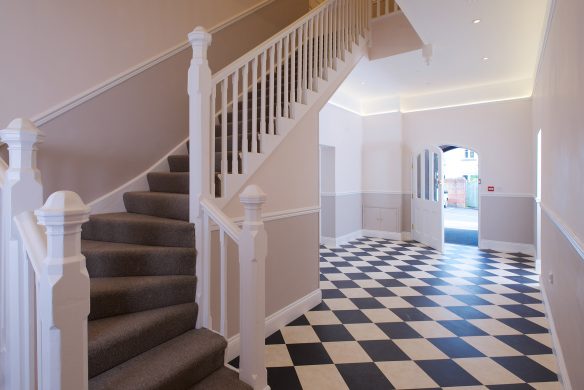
[{"x": 401, "y": 315}]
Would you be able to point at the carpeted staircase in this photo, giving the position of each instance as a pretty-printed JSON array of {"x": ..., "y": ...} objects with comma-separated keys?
[
  {"x": 141, "y": 327},
  {"x": 142, "y": 266}
]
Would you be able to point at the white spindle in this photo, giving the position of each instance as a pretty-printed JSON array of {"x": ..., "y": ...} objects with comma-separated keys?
[
  {"x": 263, "y": 103},
  {"x": 378, "y": 10},
  {"x": 304, "y": 60},
  {"x": 326, "y": 33},
  {"x": 204, "y": 275},
  {"x": 293, "y": 66},
  {"x": 252, "y": 259},
  {"x": 310, "y": 68},
  {"x": 22, "y": 191},
  {"x": 254, "y": 105},
  {"x": 235, "y": 121},
  {"x": 223, "y": 282},
  {"x": 320, "y": 41},
  {"x": 335, "y": 37},
  {"x": 279, "y": 81},
  {"x": 244, "y": 139},
  {"x": 213, "y": 138},
  {"x": 271, "y": 91},
  {"x": 63, "y": 295},
  {"x": 300, "y": 75},
  {"x": 224, "y": 161},
  {"x": 287, "y": 60}
]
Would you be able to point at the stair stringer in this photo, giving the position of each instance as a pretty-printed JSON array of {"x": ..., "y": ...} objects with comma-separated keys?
[{"x": 324, "y": 89}]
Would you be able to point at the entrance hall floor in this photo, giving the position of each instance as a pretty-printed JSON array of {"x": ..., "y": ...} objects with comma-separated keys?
[{"x": 401, "y": 315}]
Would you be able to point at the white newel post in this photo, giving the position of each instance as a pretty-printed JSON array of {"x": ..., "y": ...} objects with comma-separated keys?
[
  {"x": 253, "y": 248},
  {"x": 22, "y": 191},
  {"x": 199, "y": 89},
  {"x": 64, "y": 295}
]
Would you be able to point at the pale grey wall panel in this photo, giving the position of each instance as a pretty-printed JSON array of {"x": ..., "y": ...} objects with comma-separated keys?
[
  {"x": 509, "y": 219},
  {"x": 348, "y": 217},
  {"x": 406, "y": 212},
  {"x": 327, "y": 216}
]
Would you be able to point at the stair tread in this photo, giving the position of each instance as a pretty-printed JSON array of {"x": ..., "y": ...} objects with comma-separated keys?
[
  {"x": 222, "y": 379},
  {"x": 177, "y": 364},
  {"x": 169, "y": 182},
  {"x": 114, "y": 340},
  {"x": 131, "y": 294}
]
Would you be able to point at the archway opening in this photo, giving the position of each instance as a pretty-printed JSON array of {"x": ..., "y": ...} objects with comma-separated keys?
[{"x": 461, "y": 195}]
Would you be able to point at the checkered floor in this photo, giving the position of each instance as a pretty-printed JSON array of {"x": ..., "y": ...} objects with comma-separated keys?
[{"x": 401, "y": 315}]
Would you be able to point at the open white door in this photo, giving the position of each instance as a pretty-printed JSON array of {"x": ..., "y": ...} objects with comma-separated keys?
[{"x": 427, "y": 206}]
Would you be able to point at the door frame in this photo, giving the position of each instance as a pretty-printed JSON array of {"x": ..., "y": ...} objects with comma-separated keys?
[{"x": 479, "y": 172}]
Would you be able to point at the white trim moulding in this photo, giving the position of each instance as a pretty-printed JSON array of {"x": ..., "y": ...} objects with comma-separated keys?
[
  {"x": 3, "y": 169},
  {"x": 506, "y": 195},
  {"x": 568, "y": 233},
  {"x": 564, "y": 378},
  {"x": 335, "y": 242},
  {"x": 508, "y": 247},
  {"x": 97, "y": 90},
  {"x": 278, "y": 320}
]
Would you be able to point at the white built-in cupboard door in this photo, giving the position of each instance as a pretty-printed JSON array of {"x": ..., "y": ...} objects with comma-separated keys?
[{"x": 381, "y": 218}]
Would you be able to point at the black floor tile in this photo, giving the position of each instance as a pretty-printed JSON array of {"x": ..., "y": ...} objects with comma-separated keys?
[
  {"x": 359, "y": 376},
  {"x": 367, "y": 303},
  {"x": 524, "y": 326},
  {"x": 352, "y": 316},
  {"x": 420, "y": 301},
  {"x": 446, "y": 373},
  {"x": 410, "y": 314},
  {"x": 456, "y": 348},
  {"x": 383, "y": 350},
  {"x": 462, "y": 328},
  {"x": 523, "y": 311},
  {"x": 308, "y": 354},
  {"x": 526, "y": 345},
  {"x": 283, "y": 378},
  {"x": 332, "y": 333},
  {"x": 526, "y": 369},
  {"x": 467, "y": 312},
  {"x": 398, "y": 330}
]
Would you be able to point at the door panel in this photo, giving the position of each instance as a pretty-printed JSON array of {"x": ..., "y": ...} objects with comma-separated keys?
[{"x": 427, "y": 198}]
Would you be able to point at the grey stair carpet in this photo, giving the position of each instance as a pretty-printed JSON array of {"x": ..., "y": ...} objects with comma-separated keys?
[{"x": 141, "y": 328}]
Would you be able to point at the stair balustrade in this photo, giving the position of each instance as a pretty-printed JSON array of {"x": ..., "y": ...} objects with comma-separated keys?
[
  {"x": 251, "y": 240},
  {"x": 383, "y": 8}
]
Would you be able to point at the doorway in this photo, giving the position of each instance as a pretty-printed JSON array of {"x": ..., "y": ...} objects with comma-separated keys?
[{"x": 461, "y": 195}]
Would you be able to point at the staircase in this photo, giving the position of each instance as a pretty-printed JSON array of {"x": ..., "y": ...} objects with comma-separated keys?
[
  {"x": 141, "y": 329},
  {"x": 135, "y": 311}
]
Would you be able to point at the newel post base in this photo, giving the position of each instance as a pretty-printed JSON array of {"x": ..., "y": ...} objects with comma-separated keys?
[
  {"x": 64, "y": 295},
  {"x": 253, "y": 248}
]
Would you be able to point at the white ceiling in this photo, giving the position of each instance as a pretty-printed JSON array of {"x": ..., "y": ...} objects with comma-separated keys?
[{"x": 509, "y": 34}]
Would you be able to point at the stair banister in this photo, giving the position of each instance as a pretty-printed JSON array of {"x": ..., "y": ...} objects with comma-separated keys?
[
  {"x": 22, "y": 191},
  {"x": 63, "y": 305}
]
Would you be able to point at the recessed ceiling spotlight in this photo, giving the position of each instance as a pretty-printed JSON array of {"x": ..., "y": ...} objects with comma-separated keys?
[
  {"x": 485, "y": 58},
  {"x": 476, "y": 21}
]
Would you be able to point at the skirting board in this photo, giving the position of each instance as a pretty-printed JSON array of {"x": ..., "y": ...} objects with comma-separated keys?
[
  {"x": 510, "y": 247},
  {"x": 113, "y": 202},
  {"x": 332, "y": 241},
  {"x": 564, "y": 378},
  {"x": 278, "y": 320}
]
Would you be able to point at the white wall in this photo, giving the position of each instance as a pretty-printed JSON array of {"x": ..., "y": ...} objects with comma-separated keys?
[
  {"x": 557, "y": 111},
  {"x": 382, "y": 153},
  {"x": 343, "y": 130},
  {"x": 499, "y": 132}
]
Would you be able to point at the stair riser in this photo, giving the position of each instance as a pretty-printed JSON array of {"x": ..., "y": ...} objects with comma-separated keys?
[
  {"x": 139, "y": 233},
  {"x": 172, "y": 207},
  {"x": 176, "y": 261},
  {"x": 142, "y": 298},
  {"x": 176, "y": 184},
  {"x": 170, "y": 323}
]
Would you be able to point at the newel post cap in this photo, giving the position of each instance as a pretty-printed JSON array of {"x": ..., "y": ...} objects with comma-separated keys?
[
  {"x": 19, "y": 128},
  {"x": 252, "y": 195},
  {"x": 63, "y": 205},
  {"x": 200, "y": 35}
]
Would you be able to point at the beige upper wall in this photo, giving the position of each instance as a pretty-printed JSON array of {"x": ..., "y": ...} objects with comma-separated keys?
[
  {"x": 500, "y": 132},
  {"x": 55, "y": 50},
  {"x": 110, "y": 139}
]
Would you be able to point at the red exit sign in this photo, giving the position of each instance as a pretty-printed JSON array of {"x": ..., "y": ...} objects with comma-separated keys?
[{"x": 491, "y": 189}]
